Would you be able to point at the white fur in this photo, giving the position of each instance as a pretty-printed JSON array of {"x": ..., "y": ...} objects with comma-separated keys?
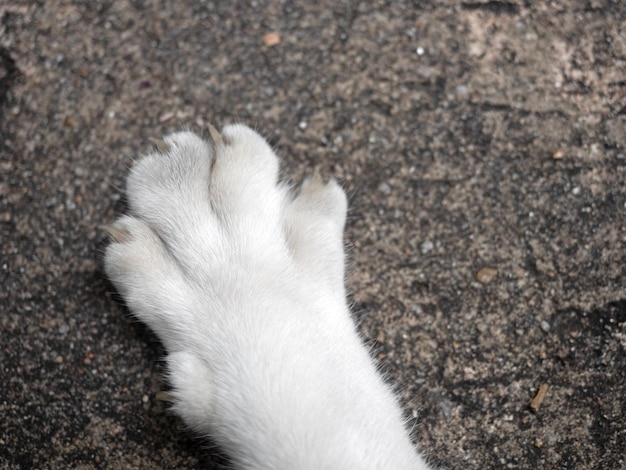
[{"x": 244, "y": 284}]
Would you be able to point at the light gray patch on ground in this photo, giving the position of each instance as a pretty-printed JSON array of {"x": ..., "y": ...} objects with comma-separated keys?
[{"x": 483, "y": 148}]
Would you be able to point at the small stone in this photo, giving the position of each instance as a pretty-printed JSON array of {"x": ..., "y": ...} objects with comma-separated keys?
[
  {"x": 558, "y": 155},
  {"x": 384, "y": 188},
  {"x": 88, "y": 358},
  {"x": 545, "y": 326},
  {"x": 426, "y": 247},
  {"x": 58, "y": 360},
  {"x": 486, "y": 275},
  {"x": 462, "y": 91},
  {"x": 416, "y": 308}
]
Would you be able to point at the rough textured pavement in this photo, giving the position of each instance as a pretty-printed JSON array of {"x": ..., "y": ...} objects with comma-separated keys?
[{"x": 482, "y": 145}]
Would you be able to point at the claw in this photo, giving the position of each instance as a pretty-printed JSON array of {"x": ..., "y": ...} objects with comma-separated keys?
[
  {"x": 216, "y": 136},
  {"x": 314, "y": 182},
  {"x": 165, "y": 396},
  {"x": 316, "y": 177},
  {"x": 160, "y": 145},
  {"x": 118, "y": 234}
]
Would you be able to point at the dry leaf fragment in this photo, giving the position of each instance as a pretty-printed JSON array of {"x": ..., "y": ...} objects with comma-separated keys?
[
  {"x": 486, "y": 275},
  {"x": 166, "y": 116},
  {"x": 538, "y": 400},
  {"x": 380, "y": 338},
  {"x": 271, "y": 39}
]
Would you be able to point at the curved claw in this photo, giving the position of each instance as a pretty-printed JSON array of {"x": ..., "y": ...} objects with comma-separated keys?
[
  {"x": 118, "y": 234},
  {"x": 165, "y": 396},
  {"x": 216, "y": 136},
  {"x": 160, "y": 145}
]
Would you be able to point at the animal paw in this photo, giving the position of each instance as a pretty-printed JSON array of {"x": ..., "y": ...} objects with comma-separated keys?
[{"x": 244, "y": 285}]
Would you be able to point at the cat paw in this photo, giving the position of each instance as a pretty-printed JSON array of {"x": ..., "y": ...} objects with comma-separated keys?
[
  {"x": 244, "y": 284},
  {"x": 212, "y": 234}
]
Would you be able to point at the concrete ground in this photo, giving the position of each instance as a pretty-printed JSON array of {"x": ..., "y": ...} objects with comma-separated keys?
[{"x": 482, "y": 145}]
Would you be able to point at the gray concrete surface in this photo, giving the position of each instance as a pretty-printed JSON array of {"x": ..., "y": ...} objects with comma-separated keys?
[{"x": 482, "y": 145}]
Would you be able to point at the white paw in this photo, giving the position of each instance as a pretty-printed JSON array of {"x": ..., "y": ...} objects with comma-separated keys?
[
  {"x": 243, "y": 283},
  {"x": 210, "y": 221}
]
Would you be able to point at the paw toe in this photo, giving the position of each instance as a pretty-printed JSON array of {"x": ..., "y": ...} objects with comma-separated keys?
[
  {"x": 163, "y": 182},
  {"x": 314, "y": 225},
  {"x": 148, "y": 278},
  {"x": 327, "y": 200},
  {"x": 244, "y": 185},
  {"x": 319, "y": 203}
]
